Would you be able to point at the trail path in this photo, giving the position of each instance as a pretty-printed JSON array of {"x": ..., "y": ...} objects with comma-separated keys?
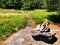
[{"x": 23, "y": 37}]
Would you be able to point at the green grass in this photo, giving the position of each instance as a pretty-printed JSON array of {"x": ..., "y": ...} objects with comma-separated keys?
[
  {"x": 8, "y": 24},
  {"x": 40, "y": 15}
]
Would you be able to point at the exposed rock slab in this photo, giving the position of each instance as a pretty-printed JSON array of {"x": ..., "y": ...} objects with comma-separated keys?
[{"x": 23, "y": 37}]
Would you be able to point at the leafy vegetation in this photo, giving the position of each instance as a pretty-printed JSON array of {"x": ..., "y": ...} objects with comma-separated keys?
[
  {"x": 40, "y": 15},
  {"x": 9, "y": 24},
  {"x": 52, "y": 5},
  {"x": 23, "y": 4}
]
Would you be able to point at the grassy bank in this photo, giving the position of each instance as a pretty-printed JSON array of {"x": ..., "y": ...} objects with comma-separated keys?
[
  {"x": 40, "y": 15},
  {"x": 9, "y": 24}
]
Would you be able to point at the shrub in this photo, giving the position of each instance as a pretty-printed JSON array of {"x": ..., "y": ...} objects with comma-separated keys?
[
  {"x": 52, "y": 5},
  {"x": 23, "y": 4}
]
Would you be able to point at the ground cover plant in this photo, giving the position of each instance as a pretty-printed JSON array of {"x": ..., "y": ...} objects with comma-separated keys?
[
  {"x": 9, "y": 24},
  {"x": 40, "y": 15}
]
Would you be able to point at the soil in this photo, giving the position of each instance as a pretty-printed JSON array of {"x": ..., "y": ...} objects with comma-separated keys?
[
  {"x": 56, "y": 26},
  {"x": 1, "y": 42}
]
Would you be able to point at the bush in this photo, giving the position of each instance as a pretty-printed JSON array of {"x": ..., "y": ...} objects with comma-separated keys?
[
  {"x": 52, "y": 5},
  {"x": 8, "y": 25},
  {"x": 23, "y": 4},
  {"x": 54, "y": 18}
]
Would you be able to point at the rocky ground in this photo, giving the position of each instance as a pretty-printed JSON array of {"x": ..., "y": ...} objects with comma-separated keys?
[{"x": 23, "y": 37}]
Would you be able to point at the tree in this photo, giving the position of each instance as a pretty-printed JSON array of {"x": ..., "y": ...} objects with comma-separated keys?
[
  {"x": 2, "y": 3},
  {"x": 59, "y": 7},
  {"x": 23, "y": 4},
  {"x": 52, "y": 5},
  {"x": 16, "y": 4},
  {"x": 33, "y": 4}
]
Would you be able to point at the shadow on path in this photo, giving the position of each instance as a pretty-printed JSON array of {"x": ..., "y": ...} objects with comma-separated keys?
[
  {"x": 45, "y": 39},
  {"x": 54, "y": 18}
]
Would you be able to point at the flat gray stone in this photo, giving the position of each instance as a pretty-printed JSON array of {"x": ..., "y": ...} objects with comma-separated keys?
[{"x": 23, "y": 37}]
